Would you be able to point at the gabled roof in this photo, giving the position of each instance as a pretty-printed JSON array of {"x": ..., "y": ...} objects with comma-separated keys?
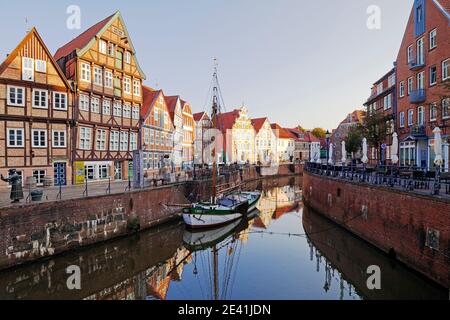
[
  {"x": 15, "y": 52},
  {"x": 225, "y": 121},
  {"x": 310, "y": 137},
  {"x": 84, "y": 41},
  {"x": 171, "y": 102},
  {"x": 259, "y": 123},
  {"x": 199, "y": 116},
  {"x": 299, "y": 135},
  {"x": 282, "y": 133},
  {"x": 150, "y": 98}
]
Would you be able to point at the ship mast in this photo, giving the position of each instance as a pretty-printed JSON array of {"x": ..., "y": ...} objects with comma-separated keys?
[{"x": 214, "y": 114}]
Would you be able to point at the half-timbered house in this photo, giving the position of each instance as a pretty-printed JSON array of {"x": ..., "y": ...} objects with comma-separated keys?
[
  {"x": 35, "y": 115},
  {"x": 157, "y": 132},
  {"x": 102, "y": 62}
]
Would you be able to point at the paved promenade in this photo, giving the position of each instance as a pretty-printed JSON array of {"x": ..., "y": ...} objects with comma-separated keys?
[{"x": 74, "y": 191}]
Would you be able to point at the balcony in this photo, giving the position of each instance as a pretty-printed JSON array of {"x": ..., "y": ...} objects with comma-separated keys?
[
  {"x": 417, "y": 96},
  {"x": 414, "y": 65},
  {"x": 418, "y": 130}
]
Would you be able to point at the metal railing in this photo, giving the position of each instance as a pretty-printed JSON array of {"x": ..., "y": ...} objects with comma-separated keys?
[{"x": 412, "y": 179}]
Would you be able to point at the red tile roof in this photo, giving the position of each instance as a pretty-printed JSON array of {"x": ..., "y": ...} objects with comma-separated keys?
[
  {"x": 150, "y": 97},
  {"x": 226, "y": 120},
  {"x": 258, "y": 123},
  {"x": 171, "y": 105},
  {"x": 83, "y": 39},
  {"x": 310, "y": 137},
  {"x": 198, "y": 116},
  {"x": 282, "y": 133}
]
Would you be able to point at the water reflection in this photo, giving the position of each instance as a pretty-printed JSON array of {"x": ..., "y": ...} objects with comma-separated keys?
[{"x": 284, "y": 252}]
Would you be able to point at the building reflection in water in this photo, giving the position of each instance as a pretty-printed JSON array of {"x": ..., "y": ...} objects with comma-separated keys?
[
  {"x": 148, "y": 265},
  {"x": 345, "y": 260}
]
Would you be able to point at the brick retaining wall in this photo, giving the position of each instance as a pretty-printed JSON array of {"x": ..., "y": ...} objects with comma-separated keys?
[{"x": 396, "y": 222}]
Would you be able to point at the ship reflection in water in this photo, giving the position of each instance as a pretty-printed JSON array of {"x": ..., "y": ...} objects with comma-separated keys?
[{"x": 285, "y": 251}]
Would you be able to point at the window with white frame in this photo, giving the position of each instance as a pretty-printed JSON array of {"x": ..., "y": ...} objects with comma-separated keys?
[
  {"x": 108, "y": 79},
  {"x": 127, "y": 57},
  {"x": 40, "y": 99},
  {"x": 16, "y": 137},
  {"x": 137, "y": 88},
  {"x": 107, "y": 107},
  {"x": 59, "y": 139},
  {"x": 123, "y": 141},
  {"x": 114, "y": 138},
  {"x": 146, "y": 134},
  {"x": 446, "y": 108},
  {"x": 410, "y": 85},
  {"x": 133, "y": 141},
  {"x": 410, "y": 117},
  {"x": 85, "y": 72},
  {"x": 136, "y": 113},
  {"x": 27, "y": 69},
  {"x": 59, "y": 101},
  {"x": 102, "y": 46},
  {"x": 85, "y": 138},
  {"x": 152, "y": 136},
  {"x": 84, "y": 103},
  {"x": 16, "y": 96},
  {"x": 111, "y": 49},
  {"x": 421, "y": 80},
  {"x": 117, "y": 109},
  {"x": 402, "y": 89},
  {"x": 41, "y": 66},
  {"x": 420, "y": 51},
  {"x": 433, "y": 111},
  {"x": 126, "y": 111},
  {"x": 446, "y": 70},
  {"x": 39, "y": 175},
  {"x": 98, "y": 76},
  {"x": 433, "y": 75},
  {"x": 39, "y": 138},
  {"x": 380, "y": 88},
  {"x": 156, "y": 117},
  {"x": 433, "y": 39},
  {"x": 391, "y": 80},
  {"x": 101, "y": 140},
  {"x": 420, "y": 116},
  {"x": 95, "y": 105},
  {"x": 387, "y": 102},
  {"x": 410, "y": 54},
  {"x": 127, "y": 85},
  {"x": 157, "y": 138}
]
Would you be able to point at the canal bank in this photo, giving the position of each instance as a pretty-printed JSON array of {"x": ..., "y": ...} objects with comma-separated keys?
[
  {"x": 35, "y": 231},
  {"x": 412, "y": 228}
]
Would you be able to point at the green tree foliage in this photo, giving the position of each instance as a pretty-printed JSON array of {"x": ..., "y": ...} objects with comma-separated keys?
[
  {"x": 376, "y": 128},
  {"x": 353, "y": 141},
  {"x": 319, "y": 132}
]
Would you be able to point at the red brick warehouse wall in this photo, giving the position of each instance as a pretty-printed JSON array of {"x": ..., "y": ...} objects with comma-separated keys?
[{"x": 393, "y": 221}]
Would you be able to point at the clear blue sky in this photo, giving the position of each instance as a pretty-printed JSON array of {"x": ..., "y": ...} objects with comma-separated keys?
[{"x": 295, "y": 61}]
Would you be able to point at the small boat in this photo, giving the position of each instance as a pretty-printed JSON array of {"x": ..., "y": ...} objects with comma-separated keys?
[{"x": 221, "y": 210}]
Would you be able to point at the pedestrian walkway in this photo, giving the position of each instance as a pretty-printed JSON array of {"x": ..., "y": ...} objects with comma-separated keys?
[{"x": 93, "y": 189}]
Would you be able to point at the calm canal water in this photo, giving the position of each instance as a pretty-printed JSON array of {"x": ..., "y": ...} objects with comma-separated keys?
[{"x": 285, "y": 252}]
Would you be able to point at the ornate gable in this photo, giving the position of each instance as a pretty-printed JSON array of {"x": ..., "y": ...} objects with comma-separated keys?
[{"x": 31, "y": 61}]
